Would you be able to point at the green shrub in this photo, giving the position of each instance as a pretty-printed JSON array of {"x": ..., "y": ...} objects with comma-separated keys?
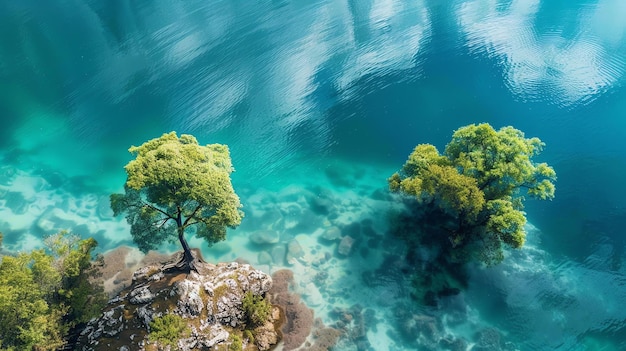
[
  {"x": 168, "y": 329},
  {"x": 256, "y": 308},
  {"x": 236, "y": 343}
]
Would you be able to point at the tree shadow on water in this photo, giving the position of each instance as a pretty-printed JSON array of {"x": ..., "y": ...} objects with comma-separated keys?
[{"x": 434, "y": 268}]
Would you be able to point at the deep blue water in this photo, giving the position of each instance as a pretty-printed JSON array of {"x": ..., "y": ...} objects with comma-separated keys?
[{"x": 333, "y": 94}]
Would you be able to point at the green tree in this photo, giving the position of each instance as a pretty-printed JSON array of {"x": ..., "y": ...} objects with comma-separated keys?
[
  {"x": 477, "y": 186},
  {"x": 27, "y": 319},
  {"x": 174, "y": 184},
  {"x": 78, "y": 290},
  {"x": 46, "y": 292}
]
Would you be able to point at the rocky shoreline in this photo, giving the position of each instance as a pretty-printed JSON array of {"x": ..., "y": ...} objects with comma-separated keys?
[{"x": 209, "y": 301}]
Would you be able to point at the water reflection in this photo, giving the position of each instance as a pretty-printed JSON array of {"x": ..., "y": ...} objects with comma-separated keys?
[{"x": 544, "y": 63}]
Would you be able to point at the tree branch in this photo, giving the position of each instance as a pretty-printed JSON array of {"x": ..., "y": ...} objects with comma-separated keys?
[
  {"x": 158, "y": 209},
  {"x": 164, "y": 220},
  {"x": 192, "y": 216}
]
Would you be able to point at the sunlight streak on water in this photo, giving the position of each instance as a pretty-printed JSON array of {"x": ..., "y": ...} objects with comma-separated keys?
[{"x": 275, "y": 93}]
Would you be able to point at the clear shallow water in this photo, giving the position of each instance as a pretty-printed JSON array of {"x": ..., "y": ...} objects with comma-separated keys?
[{"x": 333, "y": 94}]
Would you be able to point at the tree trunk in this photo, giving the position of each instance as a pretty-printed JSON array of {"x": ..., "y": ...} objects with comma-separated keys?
[
  {"x": 187, "y": 261},
  {"x": 187, "y": 258}
]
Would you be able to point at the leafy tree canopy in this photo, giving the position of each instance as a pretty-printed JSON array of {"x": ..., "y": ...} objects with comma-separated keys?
[
  {"x": 46, "y": 292},
  {"x": 479, "y": 181},
  {"x": 174, "y": 184}
]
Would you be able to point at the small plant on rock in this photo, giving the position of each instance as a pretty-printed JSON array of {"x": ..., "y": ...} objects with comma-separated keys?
[
  {"x": 236, "y": 344},
  {"x": 168, "y": 329},
  {"x": 257, "y": 308}
]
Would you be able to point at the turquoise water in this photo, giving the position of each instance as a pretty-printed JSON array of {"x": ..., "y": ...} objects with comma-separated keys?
[{"x": 324, "y": 100}]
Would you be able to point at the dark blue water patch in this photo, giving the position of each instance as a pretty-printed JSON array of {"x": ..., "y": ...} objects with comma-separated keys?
[{"x": 566, "y": 220}]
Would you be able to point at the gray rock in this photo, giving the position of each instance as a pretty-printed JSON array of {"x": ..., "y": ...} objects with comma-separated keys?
[
  {"x": 145, "y": 314},
  {"x": 345, "y": 246},
  {"x": 229, "y": 310},
  {"x": 144, "y": 273},
  {"x": 189, "y": 301},
  {"x": 111, "y": 322},
  {"x": 218, "y": 335},
  {"x": 141, "y": 295},
  {"x": 210, "y": 300},
  {"x": 257, "y": 282}
]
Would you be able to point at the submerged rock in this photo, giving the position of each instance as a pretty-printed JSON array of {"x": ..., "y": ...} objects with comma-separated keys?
[
  {"x": 262, "y": 237},
  {"x": 279, "y": 254},
  {"x": 220, "y": 249},
  {"x": 294, "y": 251},
  {"x": 345, "y": 246},
  {"x": 331, "y": 234},
  {"x": 209, "y": 301}
]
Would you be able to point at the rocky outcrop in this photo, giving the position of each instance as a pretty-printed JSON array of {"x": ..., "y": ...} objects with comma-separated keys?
[{"x": 209, "y": 301}]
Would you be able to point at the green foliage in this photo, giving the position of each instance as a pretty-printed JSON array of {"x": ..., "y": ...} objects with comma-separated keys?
[
  {"x": 168, "y": 329},
  {"x": 73, "y": 259},
  {"x": 27, "y": 318},
  {"x": 501, "y": 161},
  {"x": 257, "y": 309},
  {"x": 46, "y": 292},
  {"x": 175, "y": 183},
  {"x": 236, "y": 344},
  {"x": 478, "y": 184}
]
